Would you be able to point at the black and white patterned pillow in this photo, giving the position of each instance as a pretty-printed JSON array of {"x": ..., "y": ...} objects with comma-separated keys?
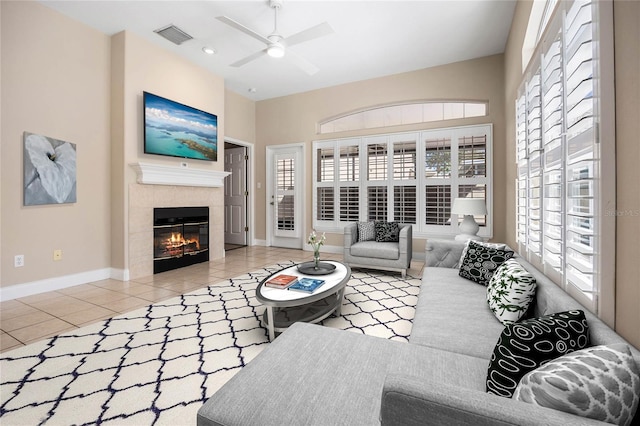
[
  {"x": 480, "y": 262},
  {"x": 498, "y": 246},
  {"x": 526, "y": 345},
  {"x": 387, "y": 232},
  {"x": 600, "y": 382},
  {"x": 366, "y": 231},
  {"x": 510, "y": 292}
]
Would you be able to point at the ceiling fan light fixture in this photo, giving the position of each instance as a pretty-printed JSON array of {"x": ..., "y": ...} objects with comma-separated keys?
[{"x": 275, "y": 50}]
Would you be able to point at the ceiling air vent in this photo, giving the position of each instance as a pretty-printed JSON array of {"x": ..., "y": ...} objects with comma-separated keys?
[{"x": 173, "y": 34}]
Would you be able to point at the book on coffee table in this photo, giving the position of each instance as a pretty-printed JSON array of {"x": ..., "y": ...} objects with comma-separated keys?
[
  {"x": 281, "y": 281},
  {"x": 308, "y": 285}
]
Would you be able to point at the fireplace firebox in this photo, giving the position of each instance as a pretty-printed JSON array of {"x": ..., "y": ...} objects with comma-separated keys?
[{"x": 180, "y": 237}]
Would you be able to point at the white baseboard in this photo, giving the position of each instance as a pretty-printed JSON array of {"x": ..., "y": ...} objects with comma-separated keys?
[
  {"x": 58, "y": 283},
  {"x": 120, "y": 274}
]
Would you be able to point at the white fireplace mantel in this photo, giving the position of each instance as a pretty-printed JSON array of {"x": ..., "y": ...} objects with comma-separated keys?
[{"x": 157, "y": 174}]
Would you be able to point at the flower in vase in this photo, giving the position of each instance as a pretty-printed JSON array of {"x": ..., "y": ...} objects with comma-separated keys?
[{"x": 316, "y": 242}]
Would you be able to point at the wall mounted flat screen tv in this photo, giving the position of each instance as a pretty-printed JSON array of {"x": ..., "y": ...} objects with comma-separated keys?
[{"x": 177, "y": 130}]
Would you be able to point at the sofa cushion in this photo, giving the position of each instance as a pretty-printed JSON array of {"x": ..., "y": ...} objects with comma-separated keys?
[
  {"x": 452, "y": 314},
  {"x": 366, "y": 231},
  {"x": 309, "y": 375},
  {"x": 376, "y": 250},
  {"x": 481, "y": 261},
  {"x": 526, "y": 345},
  {"x": 510, "y": 292},
  {"x": 387, "y": 232},
  {"x": 600, "y": 382}
]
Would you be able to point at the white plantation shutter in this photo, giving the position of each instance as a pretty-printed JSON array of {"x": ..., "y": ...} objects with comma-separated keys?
[
  {"x": 534, "y": 153},
  {"x": 581, "y": 150},
  {"x": 349, "y": 204},
  {"x": 404, "y": 204},
  {"x": 560, "y": 178},
  {"x": 381, "y": 177},
  {"x": 553, "y": 160},
  {"x": 404, "y": 178},
  {"x": 523, "y": 171},
  {"x": 377, "y": 202},
  {"x": 325, "y": 203}
]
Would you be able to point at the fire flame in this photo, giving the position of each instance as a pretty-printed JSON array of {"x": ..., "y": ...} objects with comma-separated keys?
[{"x": 177, "y": 240}]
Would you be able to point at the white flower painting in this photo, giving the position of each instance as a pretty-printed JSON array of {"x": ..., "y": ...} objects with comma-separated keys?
[{"x": 49, "y": 170}]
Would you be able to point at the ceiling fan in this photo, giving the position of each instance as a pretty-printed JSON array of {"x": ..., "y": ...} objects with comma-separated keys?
[{"x": 276, "y": 44}]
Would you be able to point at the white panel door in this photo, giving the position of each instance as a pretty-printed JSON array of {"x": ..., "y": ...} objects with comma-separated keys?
[{"x": 235, "y": 196}]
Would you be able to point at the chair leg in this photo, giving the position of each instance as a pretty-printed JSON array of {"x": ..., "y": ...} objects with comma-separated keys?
[{"x": 404, "y": 273}]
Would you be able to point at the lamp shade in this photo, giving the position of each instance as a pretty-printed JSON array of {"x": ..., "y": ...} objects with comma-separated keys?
[{"x": 469, "y": 206}]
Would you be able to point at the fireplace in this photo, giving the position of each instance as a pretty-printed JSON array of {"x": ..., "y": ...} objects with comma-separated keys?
[{"x": 180, "y": 237}]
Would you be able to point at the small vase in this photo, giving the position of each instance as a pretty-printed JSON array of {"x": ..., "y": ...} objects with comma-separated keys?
[{"x": 316, "y": 258}]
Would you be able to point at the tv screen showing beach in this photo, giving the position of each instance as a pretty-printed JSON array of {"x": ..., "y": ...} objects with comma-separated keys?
[{"x": 176, "y": 130}]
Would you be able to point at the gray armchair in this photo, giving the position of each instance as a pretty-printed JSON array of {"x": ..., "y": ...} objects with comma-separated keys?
[{"x": 378, "y": 255}]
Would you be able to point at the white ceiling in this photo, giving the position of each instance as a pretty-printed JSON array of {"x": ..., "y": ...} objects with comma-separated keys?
[{"x": 371, "y": 38}]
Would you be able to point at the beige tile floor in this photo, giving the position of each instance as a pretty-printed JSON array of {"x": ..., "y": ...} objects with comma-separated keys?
[{"x": 32, "y": 318}]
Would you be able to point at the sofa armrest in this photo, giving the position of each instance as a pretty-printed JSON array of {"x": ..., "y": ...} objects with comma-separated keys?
[
  {"x": 443, "y": 253},
  {"x": 350, "y": 235},
  {"x": 406, "y": 241},
  {"x": 408, "y": 401}
]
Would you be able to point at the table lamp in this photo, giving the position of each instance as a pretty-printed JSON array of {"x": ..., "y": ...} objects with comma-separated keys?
[{"x": 468, "y": 207}]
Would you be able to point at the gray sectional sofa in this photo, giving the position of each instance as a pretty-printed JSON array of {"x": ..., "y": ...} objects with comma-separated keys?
[{"x": 313, "y": 375}]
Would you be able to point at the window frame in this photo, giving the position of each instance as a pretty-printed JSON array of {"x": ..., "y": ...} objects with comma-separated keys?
[
  {"x": 602, "y": 301},
  {"x": 420, "y": 181}
]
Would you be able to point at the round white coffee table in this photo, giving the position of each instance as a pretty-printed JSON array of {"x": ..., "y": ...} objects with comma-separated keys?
[{"x": 284, "y": 307}]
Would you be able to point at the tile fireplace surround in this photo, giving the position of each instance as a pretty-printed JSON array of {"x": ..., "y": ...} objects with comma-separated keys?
[{"x": 143, "y": 199}]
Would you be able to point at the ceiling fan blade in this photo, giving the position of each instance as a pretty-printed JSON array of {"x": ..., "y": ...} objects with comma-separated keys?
[
  {"x": 240, "y": 27},
  {"x": 301, "y": 62},
  {"x": 249, "y": 58},
  {"x": 319, "y": 30}
]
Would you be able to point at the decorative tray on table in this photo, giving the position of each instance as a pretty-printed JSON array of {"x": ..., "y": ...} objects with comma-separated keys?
[{"x": 309, "y": 268}]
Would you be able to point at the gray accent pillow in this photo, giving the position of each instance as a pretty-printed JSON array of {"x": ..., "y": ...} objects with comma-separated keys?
[
  {"x": 510, "y": 292},
  {"x": 601, "y": 382},
  {"x": 387, "y": 232},
  {"x": 366, "y": 231}
]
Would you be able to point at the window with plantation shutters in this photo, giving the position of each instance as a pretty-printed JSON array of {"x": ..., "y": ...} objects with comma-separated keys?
[
  {"x": 403, "y": 177},
  {"x": 349, "y": 204},
  {"x": 377, "y": 203},
  {"x": 561, "y": 191}
]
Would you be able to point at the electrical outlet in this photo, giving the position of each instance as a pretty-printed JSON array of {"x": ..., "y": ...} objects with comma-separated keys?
[
  {"x": 57, "y": 254},
  {"x": 18, "y": 261}
]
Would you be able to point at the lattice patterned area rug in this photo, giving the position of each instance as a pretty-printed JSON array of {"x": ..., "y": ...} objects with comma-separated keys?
[{"x": 157, "y": 365}]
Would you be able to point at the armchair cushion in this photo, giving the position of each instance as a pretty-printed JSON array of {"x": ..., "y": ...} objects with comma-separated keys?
[{"x": 374, "y": 249}]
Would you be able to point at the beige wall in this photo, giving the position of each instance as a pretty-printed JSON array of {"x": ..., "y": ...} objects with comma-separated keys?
[
  {"x": 55, "y": 82},
  {"x": 141, "y": 66},
  {"x": 512, "y": 79},
  {"x": 240, "y": 117},
  {"x": 627, "y": 64},
  {"x": 627, "y": 59},
  {"x": 293, "y": 119}
]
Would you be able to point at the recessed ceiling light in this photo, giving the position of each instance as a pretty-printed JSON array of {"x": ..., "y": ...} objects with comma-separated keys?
[
  {"x": 209, "y": 50},
  {"x": 252, "y": 90}
]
